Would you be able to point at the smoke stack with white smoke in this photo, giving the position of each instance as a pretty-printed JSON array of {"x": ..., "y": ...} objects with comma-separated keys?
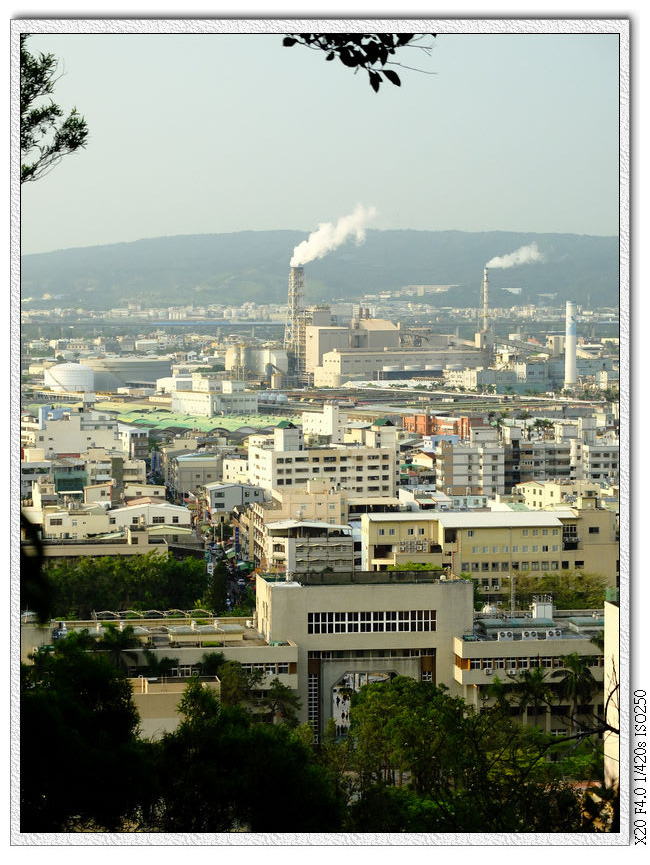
[
  {"x": 523, "y": 255},
  {"x": 328, "y": 236}
]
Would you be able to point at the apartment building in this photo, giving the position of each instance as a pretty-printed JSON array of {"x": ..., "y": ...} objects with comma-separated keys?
[
  {"x": 546, "y": 494},
  {"x": 595, "y": 461},
  {"x": 74, "y": 522},
  {"x": 494, "y": 543},
  {"x": 472, "y": 469},
  {"x": 541, "y": 460},
  {"x": 148, "y": 513},
  {"x": 222, "y": 498},
  {"x": 69, "y": 432},
  {"x": 282, "y": 460},
  {"x": 135, "y": 441},
  {"x": 330, "y": 424},
  {"x": 306, "y": 547},
  {"x": 189, "y": 472}
]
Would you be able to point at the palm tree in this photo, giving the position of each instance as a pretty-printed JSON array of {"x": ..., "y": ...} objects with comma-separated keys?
[
  {"x": 533, "y": 690},
  {"x": 577, "y": 685},
  {"x": 117, "y": 642},
  {"x": 159, "y": 667}
]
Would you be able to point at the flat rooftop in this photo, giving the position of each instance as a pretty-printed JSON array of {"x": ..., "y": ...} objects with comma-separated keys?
[{"x": 480, "y": 519}]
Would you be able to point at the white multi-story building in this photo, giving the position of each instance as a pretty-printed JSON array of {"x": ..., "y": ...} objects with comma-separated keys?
[
  {"x": 470, "y": 469},
  {"x": 595, "y": 462},
  {"x": 223, "y": 498},
  {"x": 281, "y": 460},
  {"x": 70, "y": 432},
  {"x": 208, "y": 397},
  {"x": 149, "y": 514}
]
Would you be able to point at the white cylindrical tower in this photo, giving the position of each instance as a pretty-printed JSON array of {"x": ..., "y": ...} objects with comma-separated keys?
[
  {"x": 485, "y": 296},
  {"x": 570, "y": 376}
]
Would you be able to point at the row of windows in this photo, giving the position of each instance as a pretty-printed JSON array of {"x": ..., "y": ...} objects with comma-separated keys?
[
  {"x": 534, "y": 548},
  {"x": 266, "y": 669},
  {"x": 519, "y": 663},
  {"x": 371, "y": 622},
  {"x": 466, "y": 567}
]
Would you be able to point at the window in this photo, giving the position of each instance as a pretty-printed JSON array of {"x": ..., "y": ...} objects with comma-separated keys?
[
  {"x": 594, "y": 530},
  {"x": 470, "y": 533}
]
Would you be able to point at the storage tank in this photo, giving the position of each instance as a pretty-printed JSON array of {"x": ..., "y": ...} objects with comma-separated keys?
[{"x": 70, "y": 378}]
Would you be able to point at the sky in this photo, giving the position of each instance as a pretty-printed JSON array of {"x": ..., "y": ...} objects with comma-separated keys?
[{"x": 201, "y": 133}]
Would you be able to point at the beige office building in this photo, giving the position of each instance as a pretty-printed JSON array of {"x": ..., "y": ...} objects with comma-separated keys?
[
  {"x": 494, "y": 543},
  {"x": 350, "y": 631}
]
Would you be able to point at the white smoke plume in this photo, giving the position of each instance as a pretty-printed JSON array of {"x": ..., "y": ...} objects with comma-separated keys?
[
  {"x": 523, "y": 255},
  {"x": 328, "y": 236}
]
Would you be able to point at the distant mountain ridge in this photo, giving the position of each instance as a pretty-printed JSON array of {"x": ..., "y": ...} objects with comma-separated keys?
[{"x": 254, "y": 265}]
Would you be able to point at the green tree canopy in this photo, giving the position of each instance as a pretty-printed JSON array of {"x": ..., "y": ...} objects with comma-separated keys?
[
  {"x": 45, "y": 135},
  {"x": 81, "y": 761}
]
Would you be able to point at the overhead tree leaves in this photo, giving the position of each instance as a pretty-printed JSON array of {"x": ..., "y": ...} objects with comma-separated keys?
[{"x": 370, "y": 52}]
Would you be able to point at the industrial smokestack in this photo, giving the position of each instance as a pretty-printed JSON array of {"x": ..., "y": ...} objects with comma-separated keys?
[
  {"x": 570, "y": 376},
  {"x": 485, "y": 293},
  {"x": 294, "y": 327}
]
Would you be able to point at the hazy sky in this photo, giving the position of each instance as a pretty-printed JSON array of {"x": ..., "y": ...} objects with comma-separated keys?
[{"x": 203, "y": 133}]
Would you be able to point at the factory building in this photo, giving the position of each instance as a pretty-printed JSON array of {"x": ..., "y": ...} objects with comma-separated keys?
[
  {"x": 342, "y": 365},
  {"x": 113, "y": 372}
]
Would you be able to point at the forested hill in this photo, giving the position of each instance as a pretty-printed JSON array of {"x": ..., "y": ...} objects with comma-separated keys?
[{"x": 254, "y": 265}]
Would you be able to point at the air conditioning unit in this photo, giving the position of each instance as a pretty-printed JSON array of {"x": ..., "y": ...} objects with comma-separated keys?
[
  {"x": 488, "y": 672},
  {"x": 551, "y": 633},
  {"x": 558, "y": 632},
  {"x": 505, "y": 635},
  {"x": 529, "y": 635}
]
